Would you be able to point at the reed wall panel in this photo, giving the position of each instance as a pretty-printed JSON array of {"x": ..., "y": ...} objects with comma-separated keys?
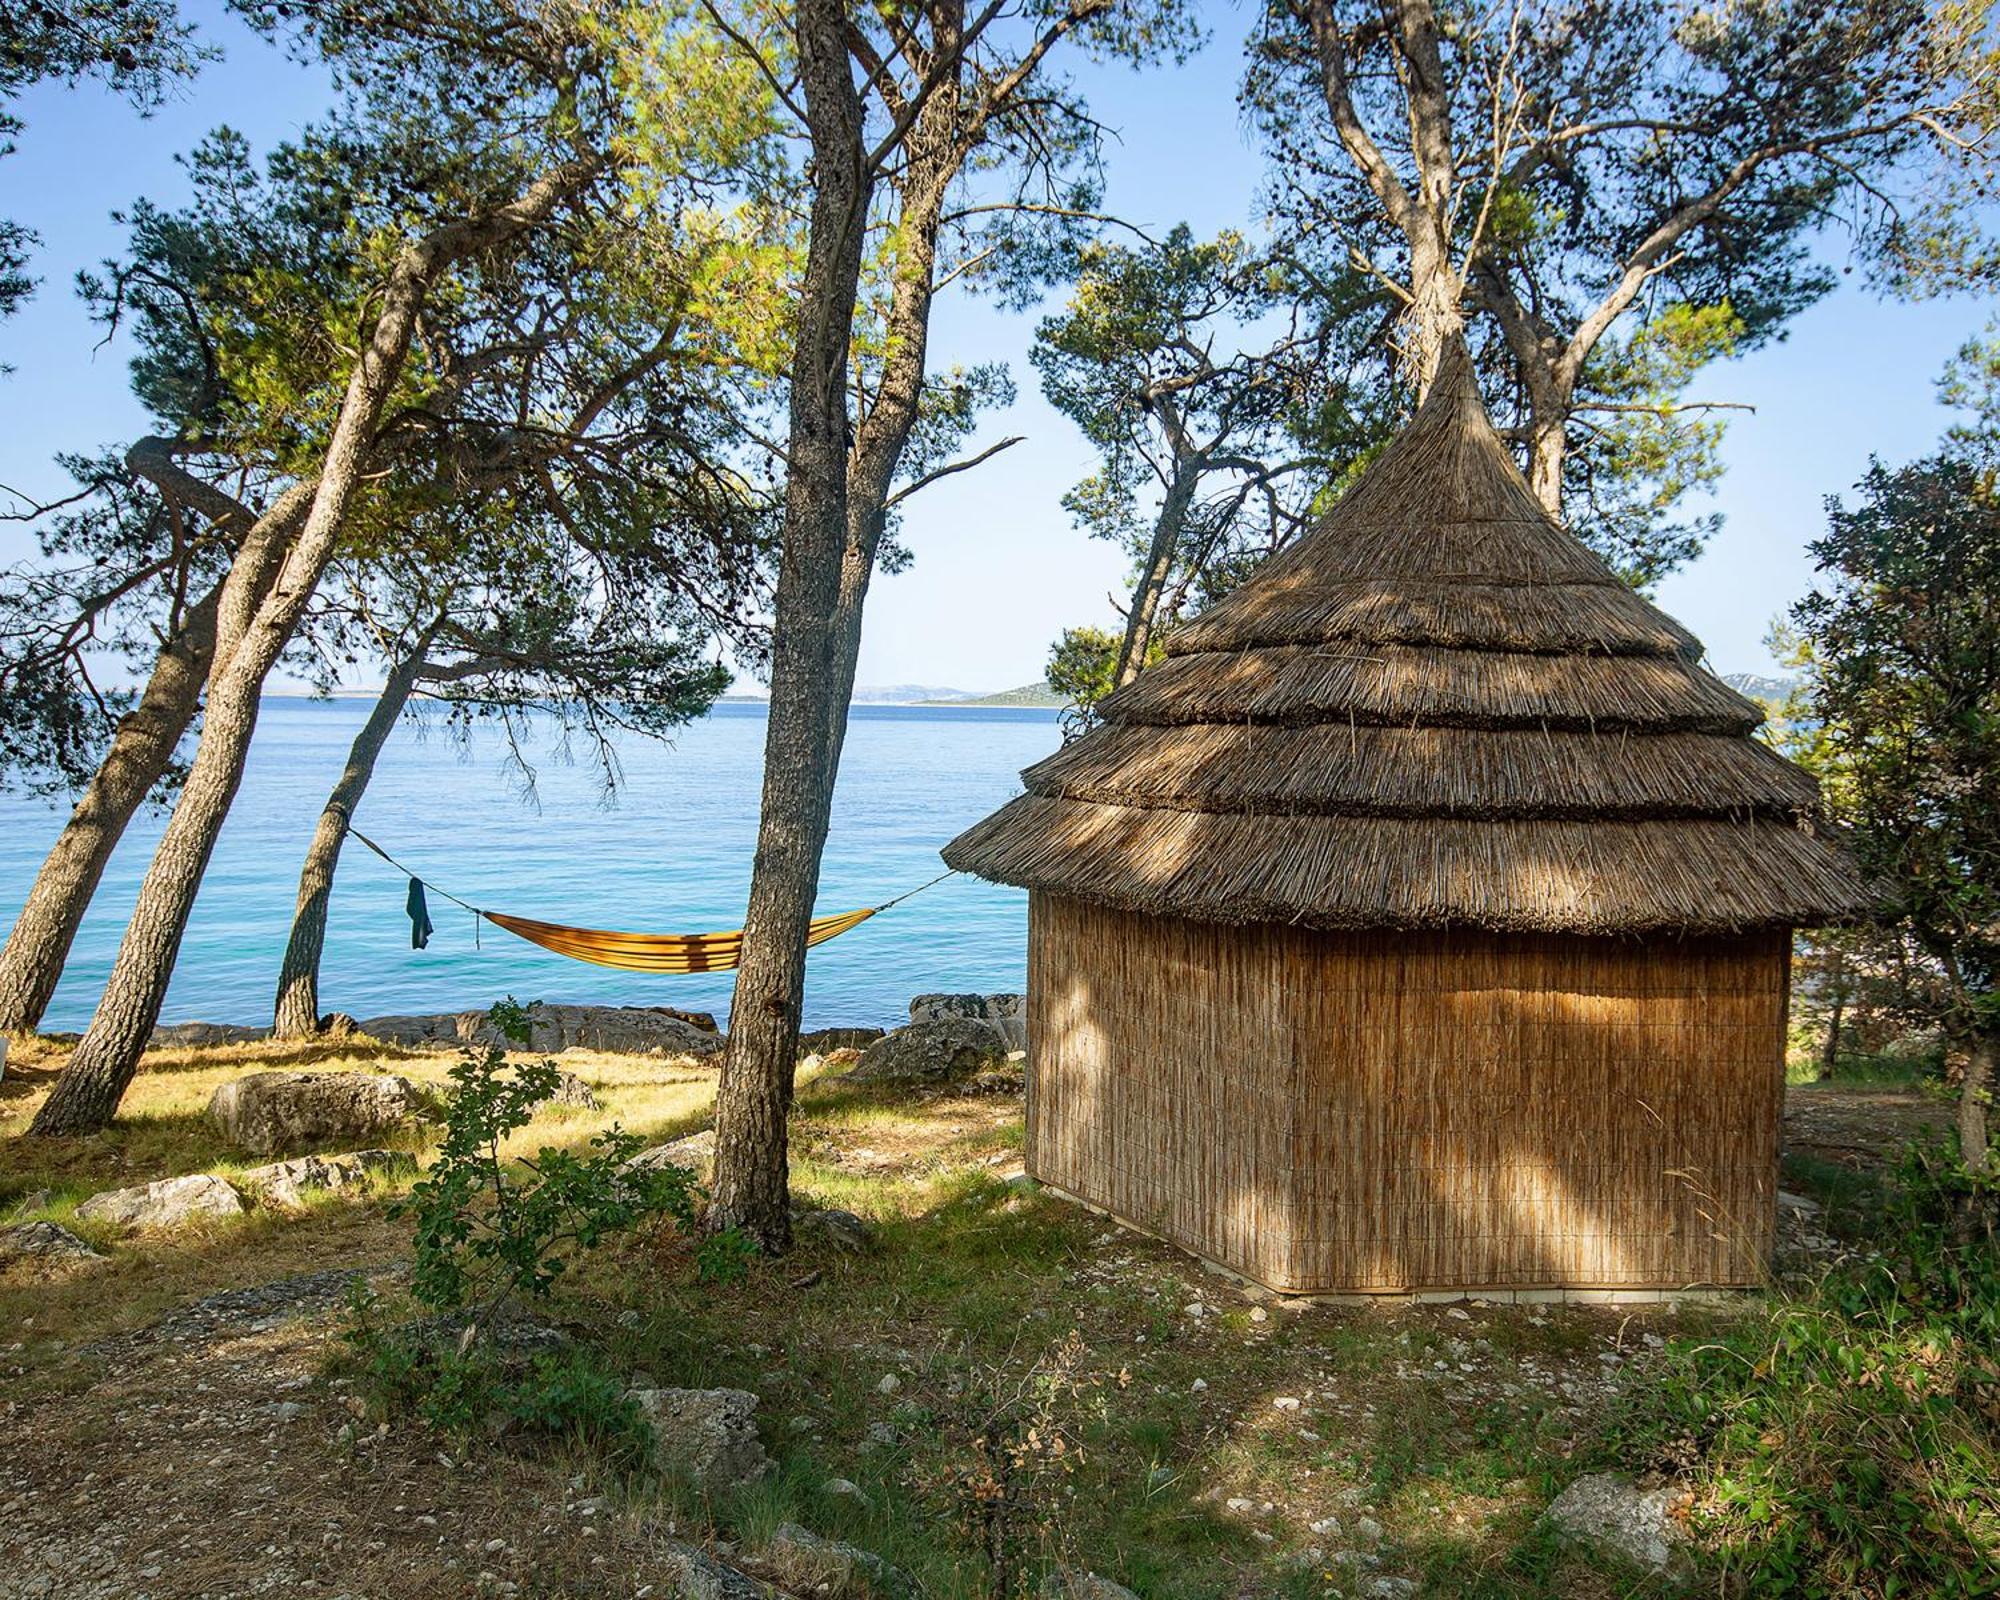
[{"x": 1383, "y": 1112}]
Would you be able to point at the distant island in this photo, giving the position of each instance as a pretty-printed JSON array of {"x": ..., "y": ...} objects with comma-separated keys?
[
  {"x": 1034, "y": 695},
  {"x": 1037, "y": 695}
]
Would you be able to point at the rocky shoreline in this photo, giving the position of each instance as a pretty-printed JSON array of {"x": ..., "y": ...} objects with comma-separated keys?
[{"x": 949, "y": 1021}]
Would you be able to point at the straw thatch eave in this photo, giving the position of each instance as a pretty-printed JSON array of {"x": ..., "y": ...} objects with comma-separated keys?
[
  {"x": 1423, "y": 686},
  {"x": 1589, "y": 877},
  {"x": 1340, "y": 770},
  {"x": 1604, "y": 618}
]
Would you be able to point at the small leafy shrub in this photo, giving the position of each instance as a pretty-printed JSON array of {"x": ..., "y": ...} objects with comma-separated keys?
[
  {"x": 484, "y": 1234},
  {"x": 471, "y": 1390},
  {"x": 1849, "y": 1444}
]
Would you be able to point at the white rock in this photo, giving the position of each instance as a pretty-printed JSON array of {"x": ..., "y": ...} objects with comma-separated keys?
[
  {"x": 708, "y": 1436},
  {"x": 270, "y": 1113},
  {"x": 1611, "y": 1512},
  {"x": 889, "y": 1385},
  {"x": 1286, "y": 1402},
  {"x": 286, "y": 1183},
  {"x": 165, "y": 1204}
]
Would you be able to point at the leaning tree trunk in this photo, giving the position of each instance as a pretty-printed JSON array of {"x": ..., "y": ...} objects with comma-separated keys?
[
  {"x": 800, "y": 757},
  {"x": 86, "y": 1096},
  {"x": 296, "y": 1015},
  {"x": 1168, "y": 528},
  {"x": 38, "y": 946}
]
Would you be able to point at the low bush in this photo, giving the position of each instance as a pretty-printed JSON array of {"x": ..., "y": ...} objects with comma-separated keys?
[
  {"x": 1849, "y": 1443},
  {"x": 469, "y": 1389},
  {"x": 485, "y": 1233},
  {"x": 489, "y": 1233}
]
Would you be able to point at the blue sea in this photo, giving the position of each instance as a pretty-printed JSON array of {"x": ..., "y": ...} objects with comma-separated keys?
[{"x": 669, "y": 853}]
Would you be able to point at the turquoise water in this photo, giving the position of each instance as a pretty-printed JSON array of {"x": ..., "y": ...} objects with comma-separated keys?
[{"x": 672, "y": 854}]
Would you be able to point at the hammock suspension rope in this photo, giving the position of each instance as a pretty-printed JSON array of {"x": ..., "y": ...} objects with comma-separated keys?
[{"x": 640, "y": 952}]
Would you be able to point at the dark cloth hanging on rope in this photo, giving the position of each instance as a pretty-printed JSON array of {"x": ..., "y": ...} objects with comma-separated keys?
[{"x": 420, "y": 916}]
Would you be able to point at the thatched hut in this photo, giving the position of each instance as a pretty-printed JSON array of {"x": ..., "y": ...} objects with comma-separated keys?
[{"x": 1423, "y": 921}]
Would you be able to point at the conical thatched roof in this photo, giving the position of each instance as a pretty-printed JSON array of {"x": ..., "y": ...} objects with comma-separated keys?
[{"x": 1438, "y": 709}]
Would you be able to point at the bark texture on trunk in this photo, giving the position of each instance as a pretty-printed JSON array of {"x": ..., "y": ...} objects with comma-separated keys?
[
  {"x": 296, "y": 1013},
  {"x": 141, "y": 748},
  {"x": 801, "y": 754},
  {"x": 1974, "y": 1097},
  {"x": 250, "y": 638}
]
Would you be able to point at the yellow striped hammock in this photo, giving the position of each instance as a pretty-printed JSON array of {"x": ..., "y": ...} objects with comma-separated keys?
[
  {"x": 658, "y": 952},
  {"x": 643, "y": 952}
]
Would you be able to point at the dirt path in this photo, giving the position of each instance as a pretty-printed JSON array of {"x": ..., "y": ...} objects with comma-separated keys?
[{"x": 203, "y": 1456}]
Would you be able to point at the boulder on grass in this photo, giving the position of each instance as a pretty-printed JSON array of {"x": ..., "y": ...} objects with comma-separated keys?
[
  {"x": 1605, "y": 1511},
  {"x": 932, "y": 1052},
  {"x": 804, "y": 1560},
  {"x": 572, "y": 1093},
  {"x": 165, "y": 1204},
  {"x": 286, "y": 1183},
  {"x": 708, "y": 1436},
  {"x": 688, "y": 1573},
  {"x": 1007, "y": 1014},
  {"x": 842, "y": 1229},
  {"x": 695, "y": 1153},
  {"x": 1073, "y": 1583},
  {"x": 44, "y": 1249},
  {"x": 272, "y": 1113}
]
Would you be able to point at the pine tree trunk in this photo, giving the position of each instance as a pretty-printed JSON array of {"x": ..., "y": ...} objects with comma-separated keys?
[
  {"x": 1547, "y": 445},
  {"x": 86, "y": 1096},
  {"x": 801, "y": 752},
  {"x": 1139, "y": 621},
  {"x": 1829, "y": 1062},
  {"x": 1974, "y": 1095},
  {"x": 296, "y": 1014},
  {"x": 39, "y": 944}
]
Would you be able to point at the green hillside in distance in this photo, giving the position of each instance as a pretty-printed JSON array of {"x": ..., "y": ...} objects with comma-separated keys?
[{"x": 1029, "y": 694}]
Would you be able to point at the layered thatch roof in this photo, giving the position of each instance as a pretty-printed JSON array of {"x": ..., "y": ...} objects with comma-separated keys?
[{"x": 1438, "y": 709}]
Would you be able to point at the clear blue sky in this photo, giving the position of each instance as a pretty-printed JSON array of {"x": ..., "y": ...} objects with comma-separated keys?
[{"x": 999, "y": 571}]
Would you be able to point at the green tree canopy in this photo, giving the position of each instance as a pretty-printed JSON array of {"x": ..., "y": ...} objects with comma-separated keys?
[{"x": 1903, "y": 664}]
